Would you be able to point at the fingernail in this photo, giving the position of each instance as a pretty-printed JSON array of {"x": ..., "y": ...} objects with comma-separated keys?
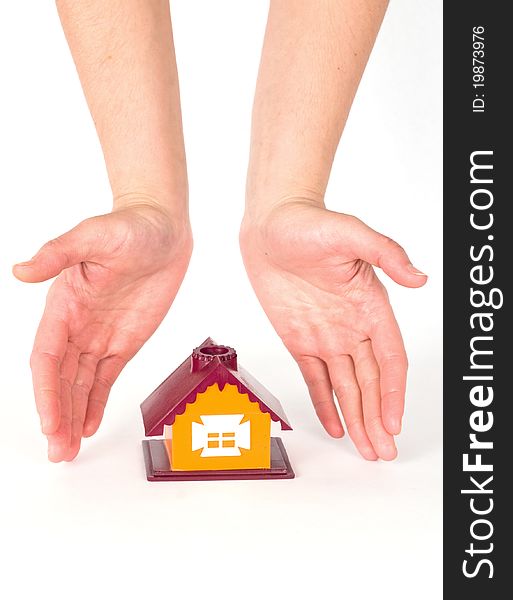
[
  {"x": 416, "y": 271},
  {"x": 388, "y": 452},
  {"x": 45, "y": 425},
  {"x": 27, "y": 263},
  {"x": 395, "y": 425},
  {"x": 87, "y": 430},
  {"x": 52, "y": 452}
]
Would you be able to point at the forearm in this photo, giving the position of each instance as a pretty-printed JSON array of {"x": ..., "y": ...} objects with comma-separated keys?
[
  {"x": 313, "y": 58},
  {"x": 124, "y": 54}
]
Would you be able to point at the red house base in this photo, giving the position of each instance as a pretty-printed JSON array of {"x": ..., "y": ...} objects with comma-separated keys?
[{"x": 158, "y": 468}]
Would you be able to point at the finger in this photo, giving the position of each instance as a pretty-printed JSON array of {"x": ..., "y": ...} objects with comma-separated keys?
[
  {"x": 388, "y": 348},
  {"x": 383, "y": 252},
  {"x": 48, "y": 352},
  {"x": 60, "y": 441},
  {"x": 77, "y": 245},
  {"x": 80, "y": 390},
  {"x": 368, "y": 376},
  {"x": 343, "y": 377},
  {"x": 315, "y": 374},
  {"x": 107, "y": 372}
]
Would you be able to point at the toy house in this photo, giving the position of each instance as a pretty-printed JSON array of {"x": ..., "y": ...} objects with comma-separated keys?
[{"x": 215, "y": 419}]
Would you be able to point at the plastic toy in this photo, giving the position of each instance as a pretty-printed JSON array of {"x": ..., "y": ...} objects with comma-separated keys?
[{"x": 216, "y": 422}]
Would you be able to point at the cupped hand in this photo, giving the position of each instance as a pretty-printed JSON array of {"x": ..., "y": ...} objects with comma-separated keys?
[
  {"x": 312, "y": 272},
  {"x": 117, "y": 275}
]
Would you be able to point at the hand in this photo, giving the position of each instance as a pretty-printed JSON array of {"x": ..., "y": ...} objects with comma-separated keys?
[
  {"x": 311, "y": 270},
  {"x": 117, "y": 277}
]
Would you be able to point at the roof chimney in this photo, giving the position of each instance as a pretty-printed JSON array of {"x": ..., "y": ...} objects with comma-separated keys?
[{"x": 205, "y": 354}]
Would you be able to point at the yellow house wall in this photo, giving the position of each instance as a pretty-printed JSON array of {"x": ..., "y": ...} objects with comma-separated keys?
[{"x": 214, "y": 401}]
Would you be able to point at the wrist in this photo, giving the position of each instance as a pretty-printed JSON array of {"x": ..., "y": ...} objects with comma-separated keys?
[
  {"x": 264, "y": 221},
  {"x": 169, "y": 219},
  {"x": 174, "y": 207},
  {"x": 259, "y": 209}
]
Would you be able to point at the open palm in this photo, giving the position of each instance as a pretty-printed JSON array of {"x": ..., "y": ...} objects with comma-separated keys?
[
  {"x": 311, "y": 269},
  {"x": 117, "y": 277}
]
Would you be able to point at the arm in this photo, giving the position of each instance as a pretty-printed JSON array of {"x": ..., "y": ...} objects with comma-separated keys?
[
  {"x": 118, "y": 273},
  {"x": 124, "y": 54},
  {"x": 310, "y": 267}
]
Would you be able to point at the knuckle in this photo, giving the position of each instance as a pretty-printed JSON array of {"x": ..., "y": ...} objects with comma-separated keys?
[
  {"x": 346, "y": 389},
  {"x": 321, "y": 403},
  {"x": 391, "y": 244},
  {"x": 312, "y": 381},
  {"x": 54, "y": 244},
  {"x": 369, "y": 382},
  {"x": 81, "y": 387},
  {"x": 46, "y": 391},
  {"x": 392, "y": 394},
  {"x": 104, "y": 381},
  {"x": 372, "y": 422},
  {"x": 355, "y": 428},
  {"x": 37, "y": 355},
  {"x": 390, "y": 249},
  {"x": 66, "y": 383},
  {"x": 397, "y": 359}
]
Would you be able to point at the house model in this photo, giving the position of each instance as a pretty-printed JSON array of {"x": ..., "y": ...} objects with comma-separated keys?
[{"x": 215, "y": 419}]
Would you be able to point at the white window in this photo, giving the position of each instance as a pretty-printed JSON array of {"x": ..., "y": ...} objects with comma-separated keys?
[{"x": 221, "y": 435}]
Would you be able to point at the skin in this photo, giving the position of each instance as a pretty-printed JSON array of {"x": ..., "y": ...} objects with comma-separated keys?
[
  {"x": 320, "y": 292},
  {"x": 116, "y": 274},
  {"x": 311, "y": 268}
]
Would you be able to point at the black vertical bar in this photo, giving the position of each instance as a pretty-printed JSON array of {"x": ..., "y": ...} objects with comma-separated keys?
[{"x": 478, "y": 265}]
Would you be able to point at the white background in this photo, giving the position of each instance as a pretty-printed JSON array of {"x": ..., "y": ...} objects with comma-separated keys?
[{"x": 96, "y": 527}]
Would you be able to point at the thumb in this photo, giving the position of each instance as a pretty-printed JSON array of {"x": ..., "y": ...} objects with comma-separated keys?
[
  {"x": 385, "y": 253},
  {"x": 71, "y": 248}
]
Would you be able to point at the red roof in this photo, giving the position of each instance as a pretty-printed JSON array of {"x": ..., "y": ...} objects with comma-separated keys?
[{"x": 208, "y": 364}]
